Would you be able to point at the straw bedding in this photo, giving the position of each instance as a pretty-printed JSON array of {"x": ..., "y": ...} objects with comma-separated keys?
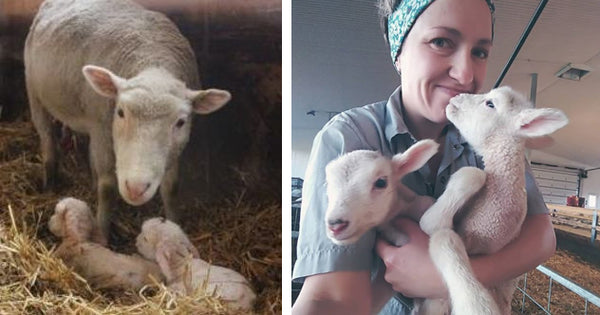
[{"x": 236, "y": 232}]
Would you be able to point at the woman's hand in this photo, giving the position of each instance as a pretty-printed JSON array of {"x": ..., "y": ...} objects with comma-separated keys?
[{"x": 409, "y": 268}]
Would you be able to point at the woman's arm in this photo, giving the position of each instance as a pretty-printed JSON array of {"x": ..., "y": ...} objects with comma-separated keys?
[
  {"x": 410, "y": 270},
  {"x": 340, "y": 292}
]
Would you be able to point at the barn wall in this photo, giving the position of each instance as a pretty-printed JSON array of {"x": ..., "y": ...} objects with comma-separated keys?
[{"x": 591, "y": 185}]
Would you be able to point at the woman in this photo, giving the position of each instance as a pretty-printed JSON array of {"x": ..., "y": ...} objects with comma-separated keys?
[{"x": 440, "y": 49}]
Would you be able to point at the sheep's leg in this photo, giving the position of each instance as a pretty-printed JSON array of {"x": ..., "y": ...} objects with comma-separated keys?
[
  {"x": 168, "y": 189},
  {"x": 467, "y": 295},
  {"x": 44, "y": 126},
  {"x": 103, "y": 160},
  {"x": 463, "y": 184},
  {"x": 503, "y": 294}
]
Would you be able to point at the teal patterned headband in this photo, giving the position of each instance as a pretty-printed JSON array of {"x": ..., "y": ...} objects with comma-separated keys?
[{"x": 403, "y": 18}]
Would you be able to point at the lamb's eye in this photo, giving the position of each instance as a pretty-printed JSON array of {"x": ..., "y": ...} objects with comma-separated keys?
[
  {"x": 180, "y": 123},
  {"x": 120, "y": 113},
  {"x": 489, "y": 104},
  {"x": 380, "y": 183}
]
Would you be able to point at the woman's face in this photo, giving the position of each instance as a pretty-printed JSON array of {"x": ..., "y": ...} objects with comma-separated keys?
[{"x": 444, "y": 54}]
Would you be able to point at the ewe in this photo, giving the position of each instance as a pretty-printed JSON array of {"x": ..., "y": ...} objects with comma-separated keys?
[{"x": 137, "y": 103}]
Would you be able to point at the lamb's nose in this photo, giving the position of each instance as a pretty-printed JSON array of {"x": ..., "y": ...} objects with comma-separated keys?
[
  {"x": 136, "y": 189},
  {"x": 337, "y": 226}
]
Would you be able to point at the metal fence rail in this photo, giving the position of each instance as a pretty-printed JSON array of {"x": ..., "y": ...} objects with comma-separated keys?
[{"x": 588, "y": 296}]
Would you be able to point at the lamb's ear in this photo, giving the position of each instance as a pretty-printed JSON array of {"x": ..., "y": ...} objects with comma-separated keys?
[
  {"x": 163, "y": 257},
  {"x": 102, "y": 80},
  {"x": 207, "y": 101},
  {"x": 415, "y": 157},
  {"x": 539, "y": 122}
]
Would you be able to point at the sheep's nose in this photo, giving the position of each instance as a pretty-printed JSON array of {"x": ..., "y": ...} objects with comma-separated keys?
[
  {"x": 136, "y": 189},
  {"x": 337, "y": 226}
]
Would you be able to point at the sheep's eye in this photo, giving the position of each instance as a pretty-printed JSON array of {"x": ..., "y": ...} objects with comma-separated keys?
[
  {"x": 180, "y": 123},
  {"x": 120, "y": 113},
  {"x": 380, "y": 183},
  {"x": 489, "y": 104}
]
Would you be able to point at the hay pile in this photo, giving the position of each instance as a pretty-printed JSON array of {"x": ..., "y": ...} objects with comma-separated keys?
[{"x": 236, "y": 233}]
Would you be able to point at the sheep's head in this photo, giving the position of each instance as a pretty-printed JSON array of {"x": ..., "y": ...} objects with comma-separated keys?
[
  {"x": 362, "y": 188},
  {"x": 72, "y": 219},
  {"x": 164, "y": 242},
  {"x": 502, "y": 112},
  {"x": 151, "y": 124}
]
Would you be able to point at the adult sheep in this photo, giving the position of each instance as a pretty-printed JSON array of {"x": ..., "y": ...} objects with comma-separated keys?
[{"x": 136, "y": 106}]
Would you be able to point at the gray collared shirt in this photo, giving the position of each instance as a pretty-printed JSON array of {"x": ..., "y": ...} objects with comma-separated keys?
[{"x": 380, "y": 127}]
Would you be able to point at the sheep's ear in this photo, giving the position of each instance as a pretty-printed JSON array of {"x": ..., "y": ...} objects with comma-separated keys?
[
  {"x": 102, "y": 80},
  {"x": 415, "y": 157},
  {"x": 207, "y": 101},
  {"x": 539, "y": 122},
  {"x": 163, "y": 257}
]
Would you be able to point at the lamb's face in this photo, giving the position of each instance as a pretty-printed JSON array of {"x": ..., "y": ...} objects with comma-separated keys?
[
  {"x": 360, "y": 192},
  {"x": 72, "y": 218},
  {"x": 148, "y": 238},
  {"x": 480, "y": 116}
]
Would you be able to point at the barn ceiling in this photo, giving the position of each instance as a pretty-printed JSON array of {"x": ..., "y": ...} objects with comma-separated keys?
[{"x": 566, "y": 32}]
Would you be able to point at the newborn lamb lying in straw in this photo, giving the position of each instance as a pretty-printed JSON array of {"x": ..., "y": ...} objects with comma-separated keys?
[
  {"x": 164, "y": 241},
  {"x": 102, "y": 268}
]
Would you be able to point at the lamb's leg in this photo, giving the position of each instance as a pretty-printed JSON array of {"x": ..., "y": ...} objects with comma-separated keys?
[
  {"x": 44, "y": 126},
  {"x": 462, "y": 186},
  {"x": 467, "y": 295},
  {"x": 168, "y": 189},
  {"x": 101, "y": 151},
  {"x": 503, "y": 294}
]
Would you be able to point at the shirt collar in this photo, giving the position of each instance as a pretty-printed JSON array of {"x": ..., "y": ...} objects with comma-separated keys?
[{"x": 394, "y": 122}]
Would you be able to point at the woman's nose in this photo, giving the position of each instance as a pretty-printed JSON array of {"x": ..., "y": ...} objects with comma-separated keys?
[{"x": 462, "y": 68}]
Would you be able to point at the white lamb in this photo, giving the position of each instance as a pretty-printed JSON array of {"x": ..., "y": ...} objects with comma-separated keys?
[
  {"x": 102, "y": 268},
  {"x": 364, "y": 190},
  {"x": 135, "y": 98},
  {"x": 497, "y": 125},
  {"x": 164, "y": 242}
]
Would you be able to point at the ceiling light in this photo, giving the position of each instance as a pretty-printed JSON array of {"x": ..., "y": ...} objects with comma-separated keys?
[{"x": 573, "y": 71}]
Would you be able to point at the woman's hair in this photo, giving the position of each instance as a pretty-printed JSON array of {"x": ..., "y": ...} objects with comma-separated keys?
[{"x": 386, "y": 7}]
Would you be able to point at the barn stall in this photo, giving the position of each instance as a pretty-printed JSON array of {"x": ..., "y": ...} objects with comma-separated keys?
[{"x": 230, "y": 192}]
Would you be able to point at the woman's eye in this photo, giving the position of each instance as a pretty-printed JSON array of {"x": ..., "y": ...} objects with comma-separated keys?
[
  {"x": 440, "y": 42},
  {"x": 180, "y": 123},
  {"x": 481, "y": 53},
  {"x": 489, "y": 104},
  {"x": 120, "y": 113},
  {"x": 380, "y": 183}
]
